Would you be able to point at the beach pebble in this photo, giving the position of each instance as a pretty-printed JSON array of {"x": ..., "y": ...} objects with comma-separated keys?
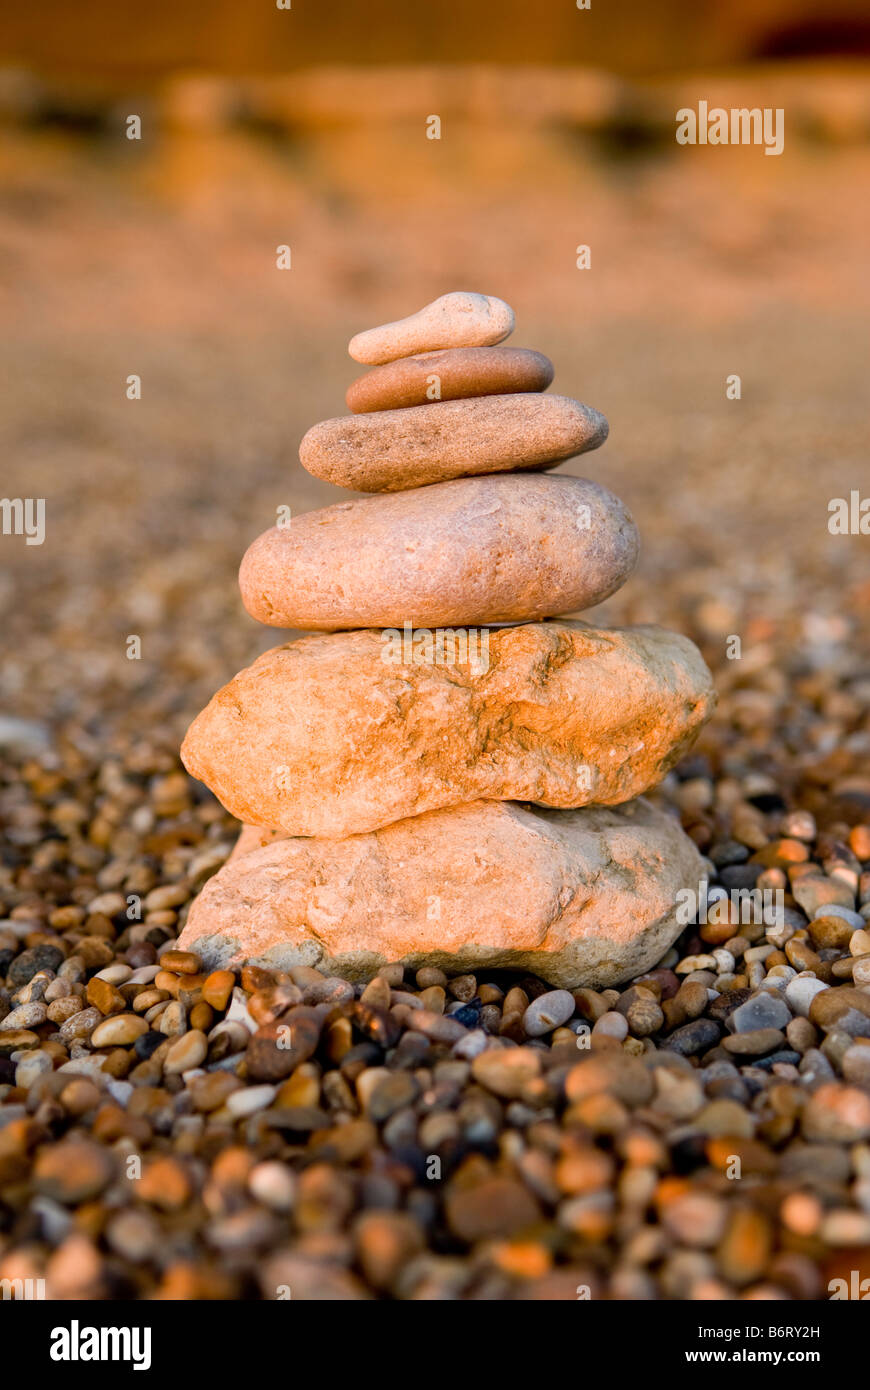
[
  {"x": 186, "y": 1052},
  {"x": 251, "y": 1099},
  {"x": 846, "y": 914},
  {"x": 392, "y": 450},
  {"x": 547, "y": 1012},
  {"x": 471, "y": 551},
  {"x": 73, "y": 1170},
  {"x": 762, "y": 1010},
  {"x": 506, "y": 1072},
  {"x": 801, "y": 991},
  {"x": 120, "y": 1030},
  {"x": 458, "y": 319},
  {"x": 450, "y": 375},
  {"x": 837, "y": 1113},
  {"x": 272, "y": 1183}
]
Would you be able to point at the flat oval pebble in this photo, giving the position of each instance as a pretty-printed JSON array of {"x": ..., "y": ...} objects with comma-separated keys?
[
  {"x": 470, "y": 551},
  {"x": 392, "y": 450},
  {"x": 449, "y": 375},
  {"x": 459, "y": 319}
]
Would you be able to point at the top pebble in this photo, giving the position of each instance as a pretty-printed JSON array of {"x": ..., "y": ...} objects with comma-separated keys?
[{"x": 460, "y": 319}]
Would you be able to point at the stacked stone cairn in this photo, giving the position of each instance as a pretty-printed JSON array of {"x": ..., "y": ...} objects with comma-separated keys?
[{"x": 447, "y": 772}]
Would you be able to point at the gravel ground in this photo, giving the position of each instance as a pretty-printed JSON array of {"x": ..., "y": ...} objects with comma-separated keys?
[{"x": 701, "y": 1133}]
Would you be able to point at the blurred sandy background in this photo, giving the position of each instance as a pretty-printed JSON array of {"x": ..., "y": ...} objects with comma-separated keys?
[{"x": 263, "y": 127}]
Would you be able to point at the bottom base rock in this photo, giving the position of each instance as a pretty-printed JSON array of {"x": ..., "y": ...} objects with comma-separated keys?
[{"x": 582, "y": 897}]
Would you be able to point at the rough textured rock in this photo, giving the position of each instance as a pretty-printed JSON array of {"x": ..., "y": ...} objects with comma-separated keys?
[
  {"x": 470, "y": 551},
  {"x": 389, "y": 450},
  {"x": 254, "y": 837},
  {"x": 459, "y": 319},
  {"x": 579, "y": 897},
  {"x": 449, "y": 375},
  {"x": 324, "y": 736}
]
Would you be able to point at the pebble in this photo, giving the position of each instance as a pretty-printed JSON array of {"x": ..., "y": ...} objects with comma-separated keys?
[
  {"x": 251, "y": 1099},
  {"x": 26, "y": 1016},
  {"x": 386, "y": 1242},
  {"x": 507, "y": 1073},
  {"x": 754, "y": 1042},
  {"x": 217, "y": 989},
  {"x": 188, "y": 1051},
  {"x": 801, "y": 991},
  {"x": 73, "y": 1171},
  {"x": 180, "y": 962},
  {"x": 495, "y": 1206},
  {"x": 693, "y": 1037},
  {"x": 31, "y": 961},
  {"x": 273, "y": 1184},
  {"x": 391, "y": 450},
  {"x": 458, "y": 319},
  {"x": 103, "y": 996},
  {"x": 855, "y": 1064},
  {"x": 843, "y": 1008},
  {"x": 31, "y": 1066},
  {"x": 118, "y": 1031},
  {"x": 845, "y": 913},
  {"x": 816, "y": 893},
  {"x": 346, "y": 566},
  {"x": 762, "y": 1010},
  {"x": 449, "y": 375},
  {"x": 547, "y": 1012},
  {"x": 172, "y": 1020},
  {"x": 611, "y": 1025},
  {"x": 837, "y": 1113}
]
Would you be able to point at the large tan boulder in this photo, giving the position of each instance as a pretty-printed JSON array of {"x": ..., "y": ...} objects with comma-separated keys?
[
  {"x": 340, "y": 734},
  {"x": 392, "y": 450},
  {"x": 579, "y": 897},
  {"x": 506, "y": 548}
]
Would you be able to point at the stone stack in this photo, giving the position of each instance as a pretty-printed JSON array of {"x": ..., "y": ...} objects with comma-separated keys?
[{"x": 447, "y": 772}]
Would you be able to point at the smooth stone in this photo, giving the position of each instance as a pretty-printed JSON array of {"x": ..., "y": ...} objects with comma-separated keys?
[
  {"x": 472, "y": 551},
  {"x": 815, "y": 892},
  {"x": 31, "y": 1066},
  {"x": 843, "y": 1009},
  {"x": 761, "y": 1011},
  {"x": 497, "y": 1207},
  {"x": 251, "y": 1099},
  {"x": 801, "y": 991},
  {"x": 447, "y": 376},
  {"x": 576, "y": 897},
  {"x": 754, "y": 1042},
  {"x": 322, "y": 737},
  {"x": 459, "y": 319},
  {"x": 120, "y": 1030},
  {"x": 693, "y": 1037},
  {"x": 507, "y": 1071},
  {"x": 853, "y": 919},
  {"x": 837, "y": 1113},
  {"x": 393, "y": 450},
  {"x": 186, "y": 1052},
  {"x": 547, "y": 1012}
]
